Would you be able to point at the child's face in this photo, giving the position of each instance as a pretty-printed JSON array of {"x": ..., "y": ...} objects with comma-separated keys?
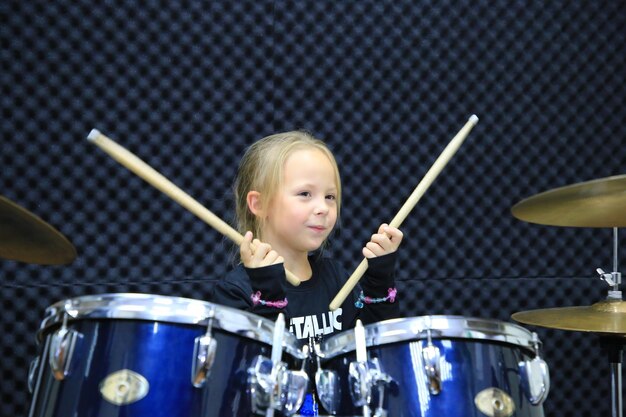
[{"x": 304, "y": 211}]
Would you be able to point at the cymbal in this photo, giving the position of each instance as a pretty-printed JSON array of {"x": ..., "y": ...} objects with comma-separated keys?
[
  {"x": 597, "y": 203},
  {"x": 25, "y": 237},
  {"x": 608, "y": 316}
]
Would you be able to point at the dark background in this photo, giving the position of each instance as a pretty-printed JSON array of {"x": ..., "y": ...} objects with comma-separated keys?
[{"x": 188, "y": 85}]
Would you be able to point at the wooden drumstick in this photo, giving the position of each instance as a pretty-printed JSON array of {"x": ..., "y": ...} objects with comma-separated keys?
[
  {"x": 276, "y": 354},
  {"x": 419, "y": 191},
  {"x": 154, "y": 178}
]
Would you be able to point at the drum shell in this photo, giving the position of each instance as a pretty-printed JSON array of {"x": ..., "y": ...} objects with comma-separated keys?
[
  {"x": 469, "y": 366},
  {"x": 161, "y": 352}
]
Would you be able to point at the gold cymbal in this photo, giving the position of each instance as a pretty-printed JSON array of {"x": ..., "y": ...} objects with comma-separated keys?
[
  {"x": 607, "y": 316},
  {"x": 25, "y": 237},
  {"x": 597, "y": 203}
]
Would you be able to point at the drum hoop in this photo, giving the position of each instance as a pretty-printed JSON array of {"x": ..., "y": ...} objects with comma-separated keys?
[
  {"x": 441, "y": 327},
  {"x": 166, "y": 309}
]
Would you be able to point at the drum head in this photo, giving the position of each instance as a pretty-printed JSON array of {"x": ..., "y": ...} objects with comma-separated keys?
[
  {"x": 440, "y": 327},
  {"x": 159, "y": 308}
]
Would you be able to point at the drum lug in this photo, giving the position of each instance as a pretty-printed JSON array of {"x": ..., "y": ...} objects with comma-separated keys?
[
  {"x": 292, "y": 389},
  {"x": 259, "y": 384},
  {"x": 535, "y": 376},
  {"x": 328, "y": 389},
  {"x": 204, "y": 349},
  {"x": 327, "y": 384},
  {"x": 62, "y": 346},
  {"x": 274, "y": 385},
  {"x": 360, "y": 383},
  {"x": 431, "y": 357},
  {"x": 32, "y": 372},
  {"x": 363, "y": 376},
  {"x": 203, "y": 355}
]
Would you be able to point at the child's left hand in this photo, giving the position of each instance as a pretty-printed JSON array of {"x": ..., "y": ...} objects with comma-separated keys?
[{"x": 386, "y": 241}]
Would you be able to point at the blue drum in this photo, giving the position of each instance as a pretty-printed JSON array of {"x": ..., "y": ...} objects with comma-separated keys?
[
  {"x": 123, "y": 355},
  {"x": 433, "y": 366}
]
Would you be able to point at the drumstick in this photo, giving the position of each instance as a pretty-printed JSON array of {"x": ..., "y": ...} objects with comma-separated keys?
[
  {"x": 277, "y": 351},
  {"x": 419, "y": 191},
  {"x": 154, "y": 178},
  {"x": 360, "y": 341},
  {"x": 360, "y": 344}
]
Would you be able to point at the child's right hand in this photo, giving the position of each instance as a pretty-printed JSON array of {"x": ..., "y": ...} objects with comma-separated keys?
[{"x": 256, "y": 254}]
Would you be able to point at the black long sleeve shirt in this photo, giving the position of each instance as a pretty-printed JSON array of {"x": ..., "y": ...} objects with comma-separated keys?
[{"x": 307, "y": 312}]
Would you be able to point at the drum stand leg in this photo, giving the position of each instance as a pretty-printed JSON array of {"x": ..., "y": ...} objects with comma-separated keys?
[{"x": 614, "y": 347}]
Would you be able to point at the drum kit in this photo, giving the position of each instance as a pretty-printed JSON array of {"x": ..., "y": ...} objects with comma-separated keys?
[{"x": 140, "y": 354}]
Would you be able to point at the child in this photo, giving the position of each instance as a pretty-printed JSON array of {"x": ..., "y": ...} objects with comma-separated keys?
[{"x": 288, "y": 197}]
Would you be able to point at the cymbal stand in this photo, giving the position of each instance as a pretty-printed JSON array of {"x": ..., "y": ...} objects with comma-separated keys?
[
  {"x": 614, "y": 279},
  {"x": 614, "y": 345}
]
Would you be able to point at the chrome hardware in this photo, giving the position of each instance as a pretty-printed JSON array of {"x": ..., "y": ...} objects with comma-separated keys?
[
  {"x": 124, "y": 387},
  {"x": 62, "y": 344},
  {"x": 360, "y": 383},
  {"x": 327, "y": 384},
  {"x": 431, "y": 357},
  {"x": 362, "y": 378},
  {"x": 535, "y": 380},
  {"x": 292, "y": 389},
  {"x": 259, "y": 384},
  {"x": 328, "y": 389},
  {"x": 380, "y": 411},
  {"x": 494, "y": 402},
  {"x": 274, "y": 386},
  {"x": 611, "y": 278},
  {"x": 382, "y": 381},
  {"x": 32, "y": 373},
  {"x": 614, "y": 279},
  {"x": 535, "y": 376},
  {"x": 204, "y": 349}
]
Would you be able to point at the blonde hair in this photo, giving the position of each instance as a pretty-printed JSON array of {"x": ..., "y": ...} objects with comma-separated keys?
[{"x": 261, "y": 169}]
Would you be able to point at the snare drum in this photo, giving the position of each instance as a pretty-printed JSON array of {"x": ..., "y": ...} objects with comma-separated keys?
[
  {"x": 115, "y": 355},
  {"x": 434, "y": 366}
]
